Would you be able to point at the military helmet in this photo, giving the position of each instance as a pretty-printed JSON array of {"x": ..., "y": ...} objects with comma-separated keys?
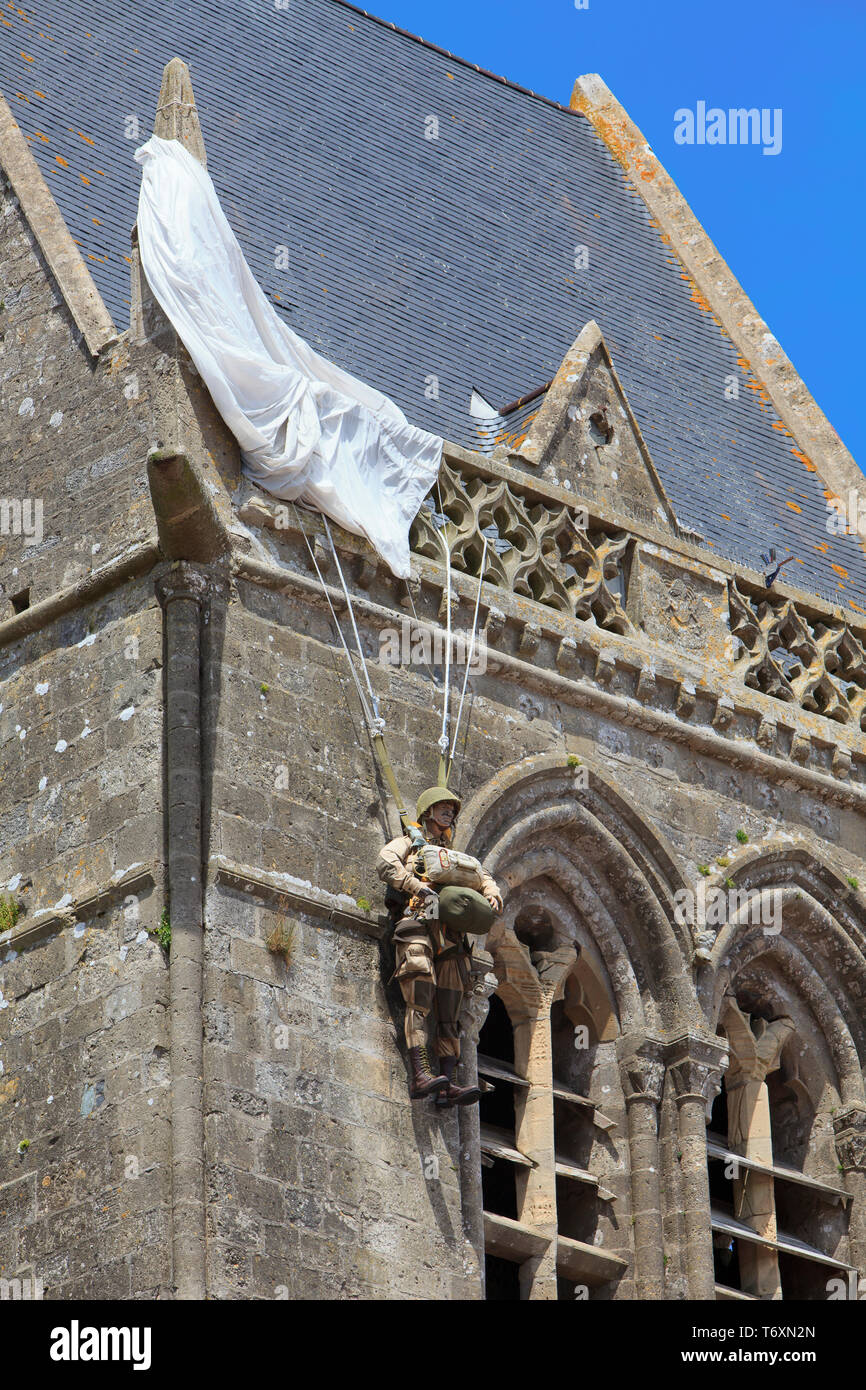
[{"x": 434, "y": 794}]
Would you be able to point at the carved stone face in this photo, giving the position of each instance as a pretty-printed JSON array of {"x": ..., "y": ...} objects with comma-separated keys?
[{"x": 681, "y": 603}]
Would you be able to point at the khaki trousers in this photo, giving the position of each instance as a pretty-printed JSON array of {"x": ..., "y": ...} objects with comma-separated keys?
[{"x": 433, "y": 985}]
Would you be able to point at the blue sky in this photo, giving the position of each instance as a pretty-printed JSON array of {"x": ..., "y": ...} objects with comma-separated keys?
[{"x": 788, "y": 225}]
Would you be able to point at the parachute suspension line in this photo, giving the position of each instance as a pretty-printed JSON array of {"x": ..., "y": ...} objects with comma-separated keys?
[
  {"x": 364, "y": 706},
  {"x": 444, "y": 741},
  {"x": 375, "y": 725},
  {"x": 373, "y": 701},
  {"x": 468, "y": 661}
]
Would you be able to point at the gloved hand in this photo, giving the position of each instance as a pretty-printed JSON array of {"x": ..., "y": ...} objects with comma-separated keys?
[{"x": 494, "y": 900}]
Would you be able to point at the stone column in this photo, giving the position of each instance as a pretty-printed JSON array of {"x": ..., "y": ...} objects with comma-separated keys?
[
  {"x": 643, "y": 1072},
  {"x": 850, "y": 1128},
  {"x": 181, "y": 591},
  {"x": 696, "y": 1065},
  {"x": 536, "y": 1187},
  {"x": 476, "y": 1007},
  {"x": 756, "y": 1046}
]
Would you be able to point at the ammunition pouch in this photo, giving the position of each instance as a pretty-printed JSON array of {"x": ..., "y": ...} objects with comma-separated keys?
[{"x": 416, "y": 961}]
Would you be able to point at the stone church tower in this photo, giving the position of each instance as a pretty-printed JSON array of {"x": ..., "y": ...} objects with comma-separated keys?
[{"x": 662, "y": 763}]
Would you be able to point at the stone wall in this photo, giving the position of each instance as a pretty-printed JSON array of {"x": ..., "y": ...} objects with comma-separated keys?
[
  {"x": 323, "y": 1182},
  {"x": 84, "y": 1144}
]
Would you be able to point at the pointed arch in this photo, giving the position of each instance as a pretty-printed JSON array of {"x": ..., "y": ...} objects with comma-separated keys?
[
  {"x": 545, "y": 820},
  {"x": 817, "y": 948}
]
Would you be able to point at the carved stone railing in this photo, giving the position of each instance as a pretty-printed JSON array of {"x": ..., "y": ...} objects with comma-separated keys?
[
  {"x": 539, "y": 552},
  {"x": 819, "y": 666}
]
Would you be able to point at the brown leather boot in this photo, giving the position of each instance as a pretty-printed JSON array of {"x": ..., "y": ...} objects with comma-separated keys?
[
  {"x": 423, "y": 1081},
  {"x": 455, "y": 1095}
]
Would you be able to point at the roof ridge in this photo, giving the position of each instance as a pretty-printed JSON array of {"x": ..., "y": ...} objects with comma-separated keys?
[
  {"x": 41, "y": 212},
  {"x": 717, "y": 291},
  {"x": 464, "y": 62}
]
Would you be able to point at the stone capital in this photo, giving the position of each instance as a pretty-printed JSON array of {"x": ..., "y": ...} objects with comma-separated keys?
[
  {"x": 850, "y": 1130},
  {"x": 182, "y": 580},
  {"x": 696, "y": 1064},
  {"x": 642, "y": 1068}
]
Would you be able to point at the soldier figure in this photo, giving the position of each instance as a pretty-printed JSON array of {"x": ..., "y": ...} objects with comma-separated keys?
[{"x": 441, "y": 904}]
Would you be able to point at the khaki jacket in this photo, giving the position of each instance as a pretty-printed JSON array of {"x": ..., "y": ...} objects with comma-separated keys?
[{"x": 393, "y": 868}]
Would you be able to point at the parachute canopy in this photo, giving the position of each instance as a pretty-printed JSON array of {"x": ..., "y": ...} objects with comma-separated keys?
[{"x": 308, "y": 431}]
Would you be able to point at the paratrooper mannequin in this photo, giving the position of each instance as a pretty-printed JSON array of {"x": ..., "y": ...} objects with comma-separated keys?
[{"x": 449, "y": 896}]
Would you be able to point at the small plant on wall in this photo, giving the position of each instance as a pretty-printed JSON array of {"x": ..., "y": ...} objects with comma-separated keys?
[
  {"x": 163, "y": 931},
  {"x": 8, "y": 913},
  {"x": 282, "y": 939}
]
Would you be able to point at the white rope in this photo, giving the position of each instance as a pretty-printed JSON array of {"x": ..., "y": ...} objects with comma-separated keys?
[
  {"x": 372, "y": 721},
  {"x": 373, "y": 701},
  {"x": 471, "y": 653},
  {"x": 444, "y": 741}
]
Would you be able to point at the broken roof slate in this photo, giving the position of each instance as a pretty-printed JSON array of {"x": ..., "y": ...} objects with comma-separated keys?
[{"x": 412, "y": 258}]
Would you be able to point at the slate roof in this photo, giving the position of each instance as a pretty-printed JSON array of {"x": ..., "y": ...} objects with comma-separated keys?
[{"x": 411, "y": 258}]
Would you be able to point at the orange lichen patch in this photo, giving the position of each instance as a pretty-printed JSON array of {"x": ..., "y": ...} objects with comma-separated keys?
[
  {"x": 724, "y": 516},
  {"x": 28, "y": 57},
  {"x": 822, "y": 546},
  {"x": 609, "y": 130},
  {"x": 657, "y": 337},
  {"x": 86, "y": 137},
  {"x": 8, "y": 1089},
  {"x": 804, "y": 459},
  {"x": 91, "y": 257},
  {"x": 40, "y": 136},
  {"x": 450, "y": 76},
  {"x": 840, "y": 569},
  {"x": 128, "y": 258},
  {"x": 778, "y": 425},
  {"x": 793, "y": 506},
  {"x": 84, "y": 178},
  {"x": 96, "y": 222},
  {"x": 61, "y": 160},
  {"x": 101, "y": 171},
  {"x": 40, "y": 95},
  {"x": 8, "y": 25},
  {"x": 856, "y": 606}
]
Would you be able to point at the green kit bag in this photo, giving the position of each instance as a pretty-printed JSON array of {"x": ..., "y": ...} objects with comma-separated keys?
[{"x": 464, "y": 910}]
